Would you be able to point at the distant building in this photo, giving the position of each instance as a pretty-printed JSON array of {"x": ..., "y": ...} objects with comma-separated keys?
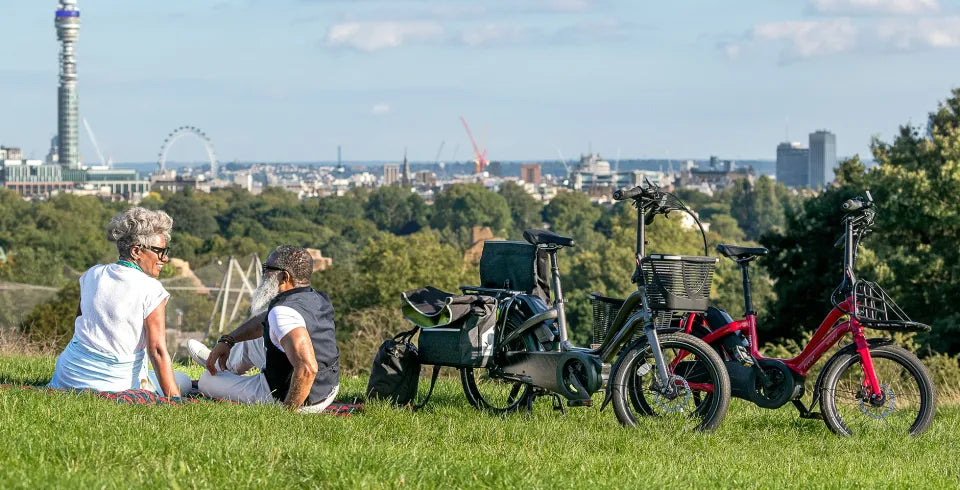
[
  {"x": 406, "y": 179},
  {"x": 719, "y": 174},
  {"x": 530, "y": 173},
  {"x": 391, "y": 174},
  {"x": 10, "y": 153},
  {"x": 823, "y": 158},
  {"x": 793, "y": 161},
  {"x": 425, "y": 178},
  {"x": 33, "y": 179},
  {"x": 495, "y": 169}
]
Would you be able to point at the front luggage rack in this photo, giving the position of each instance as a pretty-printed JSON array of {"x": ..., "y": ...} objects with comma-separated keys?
[
  {"x": 874, "y": 308},
  {"x": 605, "y": 311}
]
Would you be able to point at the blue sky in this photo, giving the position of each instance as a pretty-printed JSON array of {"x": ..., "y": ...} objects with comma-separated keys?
[{"x": 289, "y": 80}]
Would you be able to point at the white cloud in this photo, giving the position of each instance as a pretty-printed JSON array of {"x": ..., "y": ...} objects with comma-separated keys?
[
  {"x": 494, "y": 34},
  {"x": 924, "y": 33},
  {"x": 805, "y": 39},
  {"x": 873, "y": 7},
  {"x": 380, "y": 109},
  {"x": 374, "y": 36}
]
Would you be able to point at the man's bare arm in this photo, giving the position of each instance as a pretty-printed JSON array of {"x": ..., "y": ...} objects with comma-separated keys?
[
  {"x": 250, "y": 330},
  {"x": 299, "y": 350}
]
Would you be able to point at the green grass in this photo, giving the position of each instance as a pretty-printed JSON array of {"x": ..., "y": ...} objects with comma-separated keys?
[{"x": 67, "y": 440}]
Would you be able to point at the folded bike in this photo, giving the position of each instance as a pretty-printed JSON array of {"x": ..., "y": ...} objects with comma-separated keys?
[
  {"x": 531, "y": 354},
  {"x": 869, "y": 384}
]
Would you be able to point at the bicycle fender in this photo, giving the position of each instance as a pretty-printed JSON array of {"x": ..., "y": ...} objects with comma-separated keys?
[
  {"x": 875, "y": 342},
  {"x": 608, "y": 393}
]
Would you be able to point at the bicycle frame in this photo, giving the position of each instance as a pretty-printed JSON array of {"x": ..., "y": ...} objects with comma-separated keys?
[{"x": 828, "y": 334}]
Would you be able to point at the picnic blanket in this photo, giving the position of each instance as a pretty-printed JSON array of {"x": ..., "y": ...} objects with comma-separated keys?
[{"x": 144, "y": 397}]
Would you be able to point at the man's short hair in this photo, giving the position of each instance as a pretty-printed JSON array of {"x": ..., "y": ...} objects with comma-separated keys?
[{"x": 297, "y": 261}]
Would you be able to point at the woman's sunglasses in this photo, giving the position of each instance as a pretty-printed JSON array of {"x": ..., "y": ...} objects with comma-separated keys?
[{"x": 160, "y": 251}]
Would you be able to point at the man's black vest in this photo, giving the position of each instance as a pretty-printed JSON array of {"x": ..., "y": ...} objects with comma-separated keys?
[{"x": 317, "y": 313}]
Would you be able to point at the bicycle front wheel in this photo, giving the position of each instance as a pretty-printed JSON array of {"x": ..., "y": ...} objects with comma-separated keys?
[
  {"x": 907, "y": 402},
  {"x": 701, "y": 387}
]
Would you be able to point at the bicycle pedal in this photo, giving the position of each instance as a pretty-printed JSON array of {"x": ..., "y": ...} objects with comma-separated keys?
[
  {"x": 812, "y": 416},
  {"x": 580, "y": 403}
]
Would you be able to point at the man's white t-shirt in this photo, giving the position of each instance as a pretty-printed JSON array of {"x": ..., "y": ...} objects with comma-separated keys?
[
  {"x": 282, "y": 320},
  {"x": 114, "y": 302}
]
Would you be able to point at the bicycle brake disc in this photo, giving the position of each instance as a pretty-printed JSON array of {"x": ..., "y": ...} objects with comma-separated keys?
[
  {"x": 676, "y": 403},
  {"x": 882, "y": 411}
]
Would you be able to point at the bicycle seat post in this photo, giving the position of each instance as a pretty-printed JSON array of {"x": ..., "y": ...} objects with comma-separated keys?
[{"x": 558, "y": 297}]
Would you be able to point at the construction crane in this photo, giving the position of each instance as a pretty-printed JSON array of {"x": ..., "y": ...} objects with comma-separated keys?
[
  {"x": 439, "y": 151},
  {"x": 479, "y": 157},
  {"x": 96, "y": 146}
]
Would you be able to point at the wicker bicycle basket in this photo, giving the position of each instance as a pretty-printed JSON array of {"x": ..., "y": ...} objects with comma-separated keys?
[{"x": 677, "y": 282}]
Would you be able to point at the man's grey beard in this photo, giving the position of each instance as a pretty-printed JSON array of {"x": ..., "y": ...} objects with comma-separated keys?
[{"x": 268, "y": 289}]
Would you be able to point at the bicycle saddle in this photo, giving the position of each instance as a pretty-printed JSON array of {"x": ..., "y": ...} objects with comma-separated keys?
[
  {"x": 739, "y": 253},
  {"x": 544, "y": 237}
]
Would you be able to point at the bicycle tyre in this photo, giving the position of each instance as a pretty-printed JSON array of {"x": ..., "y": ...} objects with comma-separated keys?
[
  {"x": 843, "y": 371},
  {"x": 485, "y": 392},
  {"x": 627, "y": 383}
]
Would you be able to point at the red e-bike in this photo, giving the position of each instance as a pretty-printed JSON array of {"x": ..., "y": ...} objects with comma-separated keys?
[{"x": 868, "y": 385}]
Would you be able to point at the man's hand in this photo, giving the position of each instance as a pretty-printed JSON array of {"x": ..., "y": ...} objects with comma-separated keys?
[{"x": 220, "y": 352}]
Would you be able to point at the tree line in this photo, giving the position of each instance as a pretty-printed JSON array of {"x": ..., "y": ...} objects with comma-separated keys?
[{"x": 388, "y": 240}]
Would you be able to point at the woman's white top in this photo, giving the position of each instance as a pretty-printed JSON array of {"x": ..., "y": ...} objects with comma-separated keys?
[
  {"x": 114, "y": 302},
  {"x": 107, "y": 349}
]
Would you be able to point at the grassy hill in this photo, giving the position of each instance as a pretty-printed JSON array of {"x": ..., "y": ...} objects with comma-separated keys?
[{"x": 66, "y": 440}]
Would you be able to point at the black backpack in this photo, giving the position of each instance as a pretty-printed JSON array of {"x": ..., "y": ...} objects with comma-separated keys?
[{"x": 396, "y": 371}]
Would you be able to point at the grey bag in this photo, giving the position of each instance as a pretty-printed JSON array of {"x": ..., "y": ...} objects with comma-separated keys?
[{"x": 456, "y": 331}]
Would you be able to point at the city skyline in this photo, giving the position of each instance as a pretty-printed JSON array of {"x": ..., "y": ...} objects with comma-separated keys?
[{"x": 537, "y": 77}]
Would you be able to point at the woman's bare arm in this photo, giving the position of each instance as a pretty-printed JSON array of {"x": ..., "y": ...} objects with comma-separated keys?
[{"x": 156, "y": 330}]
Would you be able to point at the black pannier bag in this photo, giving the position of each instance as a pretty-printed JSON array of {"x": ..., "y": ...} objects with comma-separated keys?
[
  {"x": 517, "y": 266},
  {"x": 456, "y": 331},
  {"x": 396, "y": 370}
]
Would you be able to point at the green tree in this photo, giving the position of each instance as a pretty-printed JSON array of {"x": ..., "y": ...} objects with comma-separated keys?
[
  {"x": 392, "y": 264},
  {"x": 397, "y": 210},
  {"x": 52, "y": 322},
  {"x": 525, "y": 210},
  {"x": 462, "y": 206}
]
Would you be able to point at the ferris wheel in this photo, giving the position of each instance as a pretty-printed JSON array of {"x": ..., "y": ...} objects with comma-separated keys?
[{"x": 185, "y": 131}]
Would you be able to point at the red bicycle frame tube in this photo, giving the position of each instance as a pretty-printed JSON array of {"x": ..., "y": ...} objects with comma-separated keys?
[{"x": 827, "y": 335}]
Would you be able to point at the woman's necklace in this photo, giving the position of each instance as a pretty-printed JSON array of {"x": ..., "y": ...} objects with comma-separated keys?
[{"x": 127, "y": 263}]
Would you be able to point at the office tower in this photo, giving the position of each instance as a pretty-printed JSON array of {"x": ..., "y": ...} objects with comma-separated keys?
[
  {"x": 391, "y": 174},
  {"x": 530, "y": 173},
  {"x": 823, "y": 158},
  {"x": 793, "y": 161},
  {"x": 67, "y": 21}
]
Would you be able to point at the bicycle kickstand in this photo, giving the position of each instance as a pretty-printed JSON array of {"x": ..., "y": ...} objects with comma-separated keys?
[
  {"x": 558, "y": 404},
  {"x": 806, "y": 413}
]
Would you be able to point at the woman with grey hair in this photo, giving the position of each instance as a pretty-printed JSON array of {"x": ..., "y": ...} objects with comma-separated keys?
[{"x": 121, "y": 316}]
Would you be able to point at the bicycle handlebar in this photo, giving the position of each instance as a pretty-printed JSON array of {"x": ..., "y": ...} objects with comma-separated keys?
[
  {"x": 852, "y": 205},
  {"x": 623, "y": 194}
]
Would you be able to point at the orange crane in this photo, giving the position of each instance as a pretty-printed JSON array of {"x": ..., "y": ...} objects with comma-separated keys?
[{"x": 479, "y": 157}]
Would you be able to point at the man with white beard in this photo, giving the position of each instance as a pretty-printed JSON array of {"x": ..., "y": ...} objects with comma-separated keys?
[{"x": 290, "y": 337}]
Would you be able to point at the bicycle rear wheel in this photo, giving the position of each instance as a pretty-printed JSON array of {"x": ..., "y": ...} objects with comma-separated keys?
[
  {"x": 908, "y": 400},
  {"x": 702, "y": 386}
]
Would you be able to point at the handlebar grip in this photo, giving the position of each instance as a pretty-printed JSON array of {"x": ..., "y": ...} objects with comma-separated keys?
[
  {"x": 621, "y": 194},
  {"x": 852, "y": 205}
]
